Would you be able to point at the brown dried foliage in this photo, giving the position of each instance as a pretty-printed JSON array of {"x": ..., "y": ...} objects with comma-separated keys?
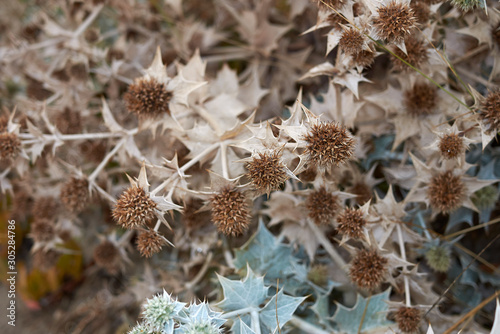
[
  {"x": 267, "y": 172},
  {"x": 351, "y": 222},
  {"x": 394, "y": 21},
  {"x": 451, "y": 145},
  {"x": 408, "y": 319},
  {"x": 149, "y": 243},
  {"x": 147, "y": 98},
  {"x": 75, "y": 194},
  {"x": 490, "y": 112},
  {"x": 322, "y": 206},
  {"x": 421, "y": 100},
  {"x": 10, "y": 146}
]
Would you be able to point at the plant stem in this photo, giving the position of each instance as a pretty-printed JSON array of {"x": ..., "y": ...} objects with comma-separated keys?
[
  {"x": 189, "y": 285},
  {"x": 403, "y": 256},
  {"x": 255, "y": 322},
  {"x": 104, "y": 161}
]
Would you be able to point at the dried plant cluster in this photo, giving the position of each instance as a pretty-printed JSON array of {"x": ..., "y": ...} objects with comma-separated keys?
[{"x": 335, "y": 163}]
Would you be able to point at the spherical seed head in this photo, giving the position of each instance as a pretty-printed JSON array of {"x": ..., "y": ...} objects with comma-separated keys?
[
  {"x": 421, "y": 10},
  {"x": 43, "y": 230},
  {"x": 329, "y": 144},
  {"x": 267, "y": 172},
  {"x": 420, "y": 100},
  {"x": 438, "y": 258},
  {"x": 107, "y": 256},
  {"x": 408, "y": 319},
  {"x": 394, "y": 21},
  {"x": 490, "y": 112},
  {"x": 368, "y": 269},
  {"x": 351, "y": 222},
  {"x": 45, "y": 207},
  {"x": 75, "y": 194},
  {"x": 148, "y": 98},
  {"x": 10, "y": 146},
  {"x": 446, "y": 192},
  {"x": 416, "y": 54},
  {"x": 322, "y": 206},
  {"x": 364, "y": 58},
  {"x": 451, "y": 145},
  {"x": 230, "y": 211},
  {"x": 149, "y": 243},
  {"x": 352, "y": 41},
  {"x": 134, "y": 208}
]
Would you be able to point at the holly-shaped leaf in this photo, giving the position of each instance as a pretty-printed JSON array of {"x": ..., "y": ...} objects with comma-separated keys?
[
  {"x": 348, "y": 320},
  {"x": 238, "y": 295}
]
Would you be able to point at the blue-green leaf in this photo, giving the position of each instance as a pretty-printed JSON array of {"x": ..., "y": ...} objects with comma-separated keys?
[
  {"x": 250, "y": 292},
  {"x": 285, "y": 308},
  {"x": 348, "y": 320}
]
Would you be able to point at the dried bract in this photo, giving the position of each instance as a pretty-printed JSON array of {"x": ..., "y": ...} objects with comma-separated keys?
[
  {"x": 416, "y": 55},
  {"x": 147, "y": 98},
  {"x": 230, "y": 211},
  {"x": 134, "y": 208}
]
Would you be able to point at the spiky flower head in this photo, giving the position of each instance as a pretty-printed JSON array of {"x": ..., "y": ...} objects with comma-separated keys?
[
  {"x": 394, "y": 22},
  {"x": 364, "y": 58},
  {"x": 140, "y": 329},
  {"x": 421, "y": 99},
  {"x": 466, "y": 5},
  {"x": 75, "y": 194},
  {"x": 328, "y": 144},
  {"x": 416, "y": 55},
  {"x": 160, "y": 311},
  {"x": 451, "y": 145},
  {"x": 352, "y": 41},
  {"x": 230, "y": 211},
  {"x": 10, "y": 146},
  {"x": 367, "y": 269},
  {"x": 408, "y": 319},
  {"x": 421, "y": 10},
  {"x": 490, "y": 112},
  {"x": 45, "y": 207},
  {"x": 446, "y": 192},
  {"x": 134, "y": 208},
  {"x": 267, "y": 171},
  {"x": 322, "y": 205},
  {"x": 351, "y": 222},
  {"x": 438, "y": 257},
  {"x": 203, "y": 320},
  {"x": 150, "y": 242},
  {"x": 147, "y": 98}
]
